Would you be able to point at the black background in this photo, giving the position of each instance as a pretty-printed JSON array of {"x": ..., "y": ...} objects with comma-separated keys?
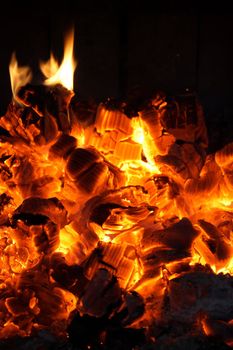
[{"x": 123, "y": 46}]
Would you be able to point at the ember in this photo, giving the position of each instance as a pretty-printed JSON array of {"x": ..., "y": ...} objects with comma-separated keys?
[{"x": 112, "y": 216}]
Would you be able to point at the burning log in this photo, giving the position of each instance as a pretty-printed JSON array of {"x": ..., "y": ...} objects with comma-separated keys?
[
  {"x": 104, "y": 143},
  {"x": 70, "y": 277},
  {"x": 12, "y": 121},
  {"x": 157, "y": 258},
  {"x": 53, "y": 100},
  {"x": 35, "y": 206},
  {"x": 41, "y": 114},
  {"x": 90, "y": 173},
  {"x": 218, "y": 330},
  {"x": 6, "y": 203},
  {"x": 109, "y": 295},
  {"x": 128, "y": 150},
  {"x": 120, "y": 260},
  {"x": 7, "y": 247},
  {"x": 131, "y": 309},
  {"x": 222, "y": 219},
  {"x": 100, "y": 295},
  {"x": 99, "y": 204},
  {"x": 178, "y": 236},
  {"x": 183, "y": 117},
  {"x": 116, "y": 212},
  {"x": 28, "y": 126},
  {"x": 86, "y": 239},
  {"x": 43, "y": 220},
  {"x": 161, "y": 189},
  {"x": 213, "y": 246},
  {"x": 223, "y": 158},
  {"x": 58, "y": 106},
  {"x": 112, "y": 134},
  {"x": 208, "y": 180},
  {"x": 53, "y": 304},
  {"x": 200, "y": 291},
  {"x": 166, "y": 195},
  {"x": 18, "y": 172},
  {"x": 184, "y": 160},
  {"x": 22, "y": 174},
  {"x": 91, "y": 223},
  {"x": 64, "y": 145},
  {"x": 110, "y": 118},
  {"x": 82, "y": 112},
  {"x": 80, "y": 161},
  {"x": 152, "y": 125},
  {"x": 34, "y": 97},
  {"x": 178, "y": 132},
  {"x": 94, "y": 180}
]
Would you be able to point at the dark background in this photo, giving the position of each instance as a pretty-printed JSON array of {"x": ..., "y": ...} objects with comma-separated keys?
[{"x": 125, "y": 46}]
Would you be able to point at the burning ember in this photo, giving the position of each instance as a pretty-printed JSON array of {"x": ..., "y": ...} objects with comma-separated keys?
[{"x": 112, "y": 213}]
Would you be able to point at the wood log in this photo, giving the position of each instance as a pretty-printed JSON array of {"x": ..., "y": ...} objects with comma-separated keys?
[
  {"x": 184, "y": 160},
  {"x": 158, "y": 256},
  {"x": 128, "y": 151},
  {"x": 118, "y": 259},
  {"x": 94, "y": 179},
  {"x": 217, "y": 249},
  {"x": 101, "y": 294},
  {"x": 80, "y": 160},
  {"x": 13, "y": 119},
  {"x": 131, "y": 309},
  {"x": 53, "y": 100},
  {"x": 108, "y": 119},
  {"x": 82, "y": 112},
  {"x": 207, "y": 182},
  {"x": 218, "y": 329},
  {"x": 161, "y": 190},
  {"x": 91, "y": 173},
  {"x": 69, "y": 277},
  {"x": 33, "y": 96},
  {"x": 25, "y": 124},
  {"x": 200, "y": 291},
  {"x": 51, "y": 208},
  {"x": 6, "y": 207},
  {"x": 183, "y": 117},
  {"x": 178, "y": 236}
]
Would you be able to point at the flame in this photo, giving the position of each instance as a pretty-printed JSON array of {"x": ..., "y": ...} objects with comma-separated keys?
[
  {"x": 105, "y": 196},
  {"x": 138, "y": 131},
  {"x": 19, "y": 76},
  {"x": 64, "y": 73}
]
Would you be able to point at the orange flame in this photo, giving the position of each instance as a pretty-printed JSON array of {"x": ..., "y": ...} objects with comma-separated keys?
[
  {"x": 19, "y": 76},
  {"x": 62, "y": 74},
  {"x": 124, "y": 209}
]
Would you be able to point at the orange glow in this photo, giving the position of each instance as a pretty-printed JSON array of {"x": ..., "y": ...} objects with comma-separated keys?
[
  {"x": 138, "y": 132},
  {"x": 102, "y": 198},
  {"x": 64, "y": 73}
]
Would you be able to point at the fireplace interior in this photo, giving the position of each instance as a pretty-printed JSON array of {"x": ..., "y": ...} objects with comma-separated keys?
[{"x": 116, "y": 177}]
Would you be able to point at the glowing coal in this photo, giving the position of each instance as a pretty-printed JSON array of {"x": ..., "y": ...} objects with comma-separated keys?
[{"x": 111, "y": 214}]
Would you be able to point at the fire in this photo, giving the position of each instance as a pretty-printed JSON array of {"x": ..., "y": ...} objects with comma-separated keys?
[
  {"x": 111, "y": 213},
  {"x": 19, "y": 76},
  {"x": 138, "y": 132},
  {"x": 62, "y": 74}
]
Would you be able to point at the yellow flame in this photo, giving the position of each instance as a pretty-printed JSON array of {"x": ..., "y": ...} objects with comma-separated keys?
[
  {"x": 19, "y": 76},
  {"x": 64, "y": 73},
  {"x": 67, "y": 238},
  {"x": 138, "y": 132},
  {"x": 225, "y": 201}
]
